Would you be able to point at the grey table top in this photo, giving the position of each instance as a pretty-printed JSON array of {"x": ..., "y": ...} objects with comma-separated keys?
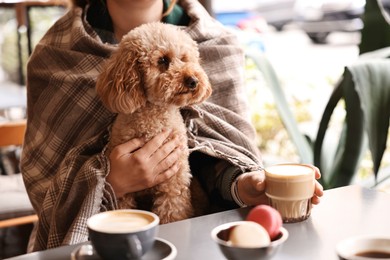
[{"x": 343, "y": 212}]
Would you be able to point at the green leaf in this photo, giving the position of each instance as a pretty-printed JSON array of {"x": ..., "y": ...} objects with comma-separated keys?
[
  {"x": 376, "y": 30},
  {"x": 351, "y": 140},
  {"x": 301, "y": 143},
  {"x": 372, "y": 83},
  {"x": 365, "y": 88}
]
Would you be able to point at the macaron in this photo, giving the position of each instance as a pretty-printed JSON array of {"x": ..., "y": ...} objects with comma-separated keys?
[
  {"x": 249, "y": 234},
  {"x": 268, "y": 217}
]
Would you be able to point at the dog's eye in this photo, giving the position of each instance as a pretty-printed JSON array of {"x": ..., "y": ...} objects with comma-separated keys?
[{"x": 164, "y": 61}]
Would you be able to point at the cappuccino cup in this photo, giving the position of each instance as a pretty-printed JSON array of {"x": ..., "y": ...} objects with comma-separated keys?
[
  {"x": 290, "y": 188},
  {"x": 123, "y": 234}
]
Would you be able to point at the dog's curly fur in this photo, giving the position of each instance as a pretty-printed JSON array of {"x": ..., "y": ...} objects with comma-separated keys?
[{"x": 154, "y": 72}]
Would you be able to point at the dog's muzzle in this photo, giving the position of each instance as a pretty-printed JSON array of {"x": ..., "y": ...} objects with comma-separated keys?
[{"x": 191, "y": 82}]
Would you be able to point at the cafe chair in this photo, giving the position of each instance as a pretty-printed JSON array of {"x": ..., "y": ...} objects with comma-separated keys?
[{"x": 17, "y": 215}]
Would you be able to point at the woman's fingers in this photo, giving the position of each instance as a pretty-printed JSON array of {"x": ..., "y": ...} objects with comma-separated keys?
[
  {"x": 315, "y": 200},
  {"x": 167, "y": 161},
  {"x": 127, "y": 147},
  {"x": 166, "y": 149},
  {"x": 155, "y": 143},
  {"x": 150, "y": 162},
  {"x": 318, "y": 173},
  {"x": 316, "y": 170},
  {"x": 318, "y": 192},
  {"x": 164, "y": 170},
  {"x": 167, "y": 174}
]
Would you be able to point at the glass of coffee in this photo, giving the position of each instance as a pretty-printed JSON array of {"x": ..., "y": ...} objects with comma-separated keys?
[
  {"x": 123, "y": 234},
  {"x": 290, "y": 188}
]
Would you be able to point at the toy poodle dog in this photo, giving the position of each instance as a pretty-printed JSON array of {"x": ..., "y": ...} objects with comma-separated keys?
[{"x": 155, "y": 71}]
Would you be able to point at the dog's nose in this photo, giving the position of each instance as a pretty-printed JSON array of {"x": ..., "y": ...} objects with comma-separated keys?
[{"x": 191, "y": 82}]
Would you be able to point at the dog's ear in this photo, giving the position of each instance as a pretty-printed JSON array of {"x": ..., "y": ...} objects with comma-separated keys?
[{"x": 120, "y": 84}]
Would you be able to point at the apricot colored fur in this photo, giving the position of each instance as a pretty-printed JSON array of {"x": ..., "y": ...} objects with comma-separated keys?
[{"x": 154, "y": 72}]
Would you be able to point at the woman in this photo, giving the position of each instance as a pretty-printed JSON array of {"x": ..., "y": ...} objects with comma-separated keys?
[{"x": 67, "y": 174}]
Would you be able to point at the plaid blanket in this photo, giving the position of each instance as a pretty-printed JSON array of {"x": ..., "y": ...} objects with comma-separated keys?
[{"x": 63, "y": 163}]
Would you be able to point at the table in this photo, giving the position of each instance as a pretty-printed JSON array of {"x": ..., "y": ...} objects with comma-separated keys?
[{"x": 343, "y": 212}]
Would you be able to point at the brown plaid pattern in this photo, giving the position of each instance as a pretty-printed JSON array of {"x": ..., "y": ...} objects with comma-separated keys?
[{"x": 63, "y": 164}]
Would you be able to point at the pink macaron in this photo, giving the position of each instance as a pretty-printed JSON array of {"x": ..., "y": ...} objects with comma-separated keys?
[{"x": 267, "y": 217}]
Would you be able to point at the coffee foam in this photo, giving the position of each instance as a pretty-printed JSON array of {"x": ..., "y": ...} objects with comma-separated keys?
[
  {"x": 290, "y": 172},
  {"x": 121, "y": 222},
  {"x": 288, "y": 169},
  {"x": 289, "y": 182}
]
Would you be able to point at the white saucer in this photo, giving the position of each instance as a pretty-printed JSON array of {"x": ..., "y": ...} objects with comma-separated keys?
[{"x": 162, "y": 250}]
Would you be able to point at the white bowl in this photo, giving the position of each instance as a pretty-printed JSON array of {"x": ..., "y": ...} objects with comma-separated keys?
[
  {"x": 220, "y": 235},
  {"x": 364, "y": 248}
]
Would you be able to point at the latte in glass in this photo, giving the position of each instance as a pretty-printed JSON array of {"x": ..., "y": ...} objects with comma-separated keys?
[{"x": 290, "y": 188}]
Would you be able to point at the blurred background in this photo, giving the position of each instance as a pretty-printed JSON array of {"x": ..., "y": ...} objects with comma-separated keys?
[{"x": 307, "y": 42}]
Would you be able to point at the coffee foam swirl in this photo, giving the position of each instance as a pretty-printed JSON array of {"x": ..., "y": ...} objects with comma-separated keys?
[
  {"x": 121, "y": 222},
  {"x": 290, "y": 170}
]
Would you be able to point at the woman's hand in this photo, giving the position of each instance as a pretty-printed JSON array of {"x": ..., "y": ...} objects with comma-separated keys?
[
  {"x": 251, "y": 188},
  {"x": 318, "y": 190},
  {"x": 136, "y": 165}
]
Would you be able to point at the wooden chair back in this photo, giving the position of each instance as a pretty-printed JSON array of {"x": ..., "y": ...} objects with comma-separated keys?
[{"x": 12, "y": 132}]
